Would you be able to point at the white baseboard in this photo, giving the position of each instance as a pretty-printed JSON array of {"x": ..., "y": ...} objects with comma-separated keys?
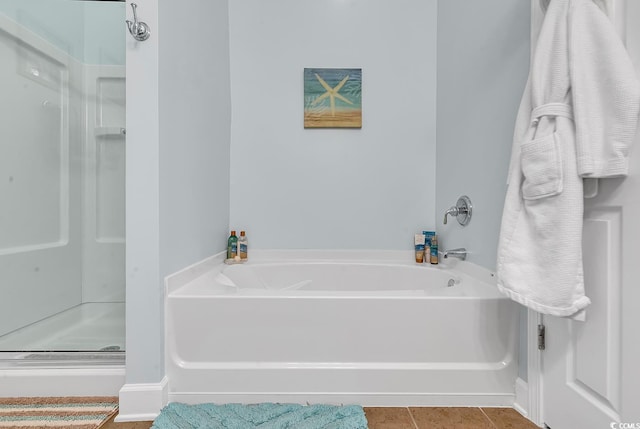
[
  {"x": 364, "y": 399},
  {"x": 30, "y": 382},
  {"x": 142, "y": 401},
  {"x": 521, "y": 403}
]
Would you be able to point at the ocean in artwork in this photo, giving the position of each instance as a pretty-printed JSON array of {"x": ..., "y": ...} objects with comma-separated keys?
[{"x": 332, "y": 98}]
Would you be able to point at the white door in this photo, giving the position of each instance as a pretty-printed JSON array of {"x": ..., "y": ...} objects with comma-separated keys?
[{"x": 590, "y": 371}]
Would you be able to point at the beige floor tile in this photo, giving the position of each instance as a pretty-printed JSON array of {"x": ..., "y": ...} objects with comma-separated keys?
[
  {"x": 508, "y": 418},
  {"x": 389, "y": 418},
  {"x": 131, "y": 425},
  {"x": 450, "y": 418}
]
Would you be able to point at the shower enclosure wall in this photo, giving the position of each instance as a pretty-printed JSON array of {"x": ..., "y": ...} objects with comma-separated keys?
[{"x": 62, "y": 134}]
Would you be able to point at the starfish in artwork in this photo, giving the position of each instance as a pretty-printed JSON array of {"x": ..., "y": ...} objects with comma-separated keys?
[{"x": 332, "y": 93}]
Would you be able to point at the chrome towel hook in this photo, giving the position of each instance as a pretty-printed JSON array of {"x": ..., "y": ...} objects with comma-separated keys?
[{"x": 138, "y": 29}]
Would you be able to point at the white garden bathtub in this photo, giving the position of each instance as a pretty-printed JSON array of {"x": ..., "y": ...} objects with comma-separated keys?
[{"x": 342, "y": 327}]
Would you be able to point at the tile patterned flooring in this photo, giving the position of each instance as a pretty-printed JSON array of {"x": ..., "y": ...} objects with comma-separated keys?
[{"x": 419, "y": 418}]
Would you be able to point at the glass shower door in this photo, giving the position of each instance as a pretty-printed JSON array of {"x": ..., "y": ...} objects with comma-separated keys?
[{"x": 62, "y": 148}]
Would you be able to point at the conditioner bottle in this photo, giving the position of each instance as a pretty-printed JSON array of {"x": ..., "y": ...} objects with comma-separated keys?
[{"x": 243, "y": 244}]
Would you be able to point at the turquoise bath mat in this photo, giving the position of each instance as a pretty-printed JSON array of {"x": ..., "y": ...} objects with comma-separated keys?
[{"x": 263, "y": 416}]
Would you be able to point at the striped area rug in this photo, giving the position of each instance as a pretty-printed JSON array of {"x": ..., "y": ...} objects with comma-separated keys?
[{"x": 73, "y": 413}]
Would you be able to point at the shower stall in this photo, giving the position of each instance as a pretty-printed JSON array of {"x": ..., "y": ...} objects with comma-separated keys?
[{"x": 62, "y": 182}]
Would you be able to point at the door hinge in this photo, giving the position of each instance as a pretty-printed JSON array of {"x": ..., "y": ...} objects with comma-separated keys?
[{"x": 541, "y": 337}]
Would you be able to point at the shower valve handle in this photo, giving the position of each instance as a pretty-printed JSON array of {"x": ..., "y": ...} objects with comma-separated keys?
[
  {"x": 453, "y": 211},
  {"x": 138, "y": 29},
  {"x": 461, "y": 211}
]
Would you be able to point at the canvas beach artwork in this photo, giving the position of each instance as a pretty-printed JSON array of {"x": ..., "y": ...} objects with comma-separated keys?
[{"x": 332, "y": 98}]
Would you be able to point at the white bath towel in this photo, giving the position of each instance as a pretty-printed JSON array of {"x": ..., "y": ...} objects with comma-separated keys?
[{"x": 577, "y": 119}]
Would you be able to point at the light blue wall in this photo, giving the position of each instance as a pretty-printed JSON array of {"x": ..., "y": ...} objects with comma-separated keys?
[
  {"x": 178, "y": 176},
  {"x": 93, "y": 32},
  {"x": 144, "y": 291},
  {"x": 483, "y": 60},
  {"x": 369, "y": 188},
  {"x": 195, "y": 121}
]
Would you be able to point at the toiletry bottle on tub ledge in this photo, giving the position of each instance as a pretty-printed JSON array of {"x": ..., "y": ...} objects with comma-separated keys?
[
  {"x": 243, "y": 245},
  {"x": 418, "y": 242},
  {"x": 428, "y": 235},
  {"x": 232, "y": 246},
  {"x": 434, "y": 250}
]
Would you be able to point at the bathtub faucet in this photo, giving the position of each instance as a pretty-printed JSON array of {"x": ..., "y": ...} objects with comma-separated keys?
[{"x": 460, "y": 253}]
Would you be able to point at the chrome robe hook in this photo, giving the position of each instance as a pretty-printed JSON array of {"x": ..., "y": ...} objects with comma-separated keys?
[{"x": 138, "y": 29}]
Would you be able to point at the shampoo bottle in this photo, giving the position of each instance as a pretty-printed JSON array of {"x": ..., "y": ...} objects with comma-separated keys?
[
  {"x": 232, "y": 246},
  {"x": 243, "y": 243}
]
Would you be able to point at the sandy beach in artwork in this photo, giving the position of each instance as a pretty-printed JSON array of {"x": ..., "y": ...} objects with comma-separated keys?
[{"x": 342, "y": 119}]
